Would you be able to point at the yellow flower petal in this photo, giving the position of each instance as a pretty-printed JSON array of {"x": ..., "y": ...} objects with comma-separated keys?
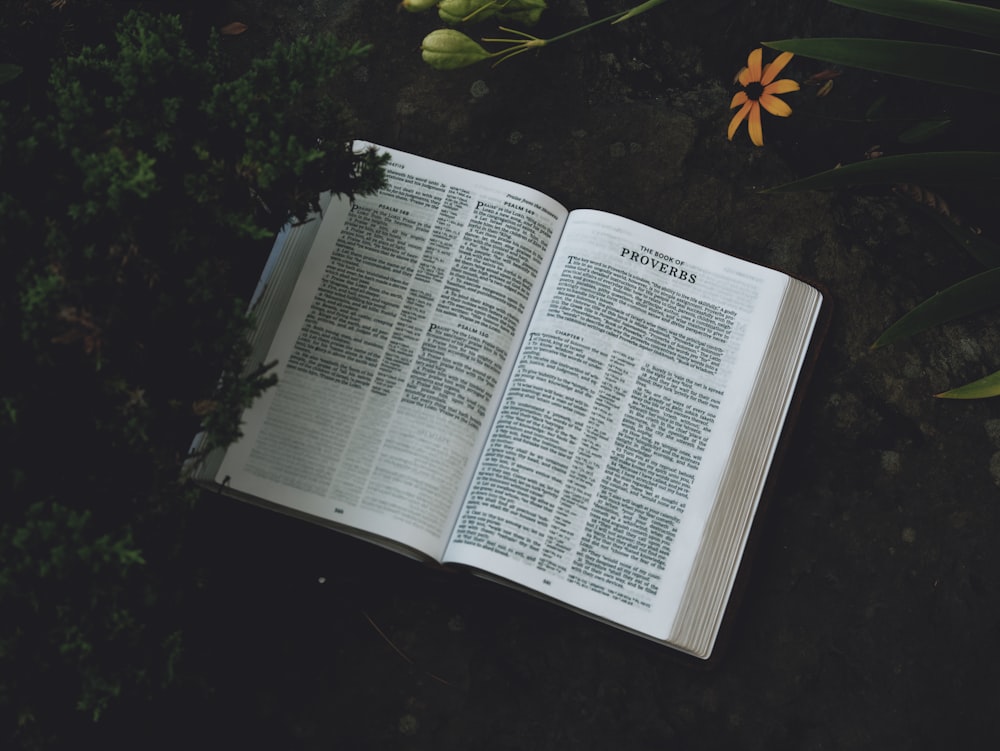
[
  {"x": 774, "y": 67},
  {"x": 784, "y": 86},
  {"x": 738, "y": 118},
  {"x": 774, "y": 105},
  {"x": 753, "y": 66},
  {"x": 763, "y": 95},
  {"x": 753, "y": 124}
]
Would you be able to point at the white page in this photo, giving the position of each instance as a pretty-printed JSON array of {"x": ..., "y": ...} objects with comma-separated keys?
[
  {"x": 574, "y": 464},
  {"x": 392, "y": 349}
]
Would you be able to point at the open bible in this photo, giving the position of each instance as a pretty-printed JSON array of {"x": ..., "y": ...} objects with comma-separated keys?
[{"x": 566, "y": 401}]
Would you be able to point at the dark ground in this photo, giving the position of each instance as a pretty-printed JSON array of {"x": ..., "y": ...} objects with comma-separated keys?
[{"x": 871, "y": 615}]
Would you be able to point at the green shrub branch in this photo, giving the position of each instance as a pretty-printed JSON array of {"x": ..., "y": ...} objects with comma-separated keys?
[{"x": 137, "y": 197}]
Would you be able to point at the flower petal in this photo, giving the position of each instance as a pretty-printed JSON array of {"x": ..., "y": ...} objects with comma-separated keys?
[
  {"x": 753, "y": 124},
  {"x": 784, "y": 86},
  {"x": 739, "y": 98},
  {"x": 774, "y": 105},
  {"x": 738, "y": 118},
  {"x": 774, "y": 67},
  {"x": 753, "y": 66}
]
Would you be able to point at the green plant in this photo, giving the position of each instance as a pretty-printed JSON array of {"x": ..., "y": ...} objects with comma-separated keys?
[
  {"x": 137, "y": 196},
  {"x": 447, "y": 49},
  {"x": 944, "y": 64}
]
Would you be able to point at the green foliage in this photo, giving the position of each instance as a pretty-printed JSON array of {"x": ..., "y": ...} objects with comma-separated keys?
[
  {"x": 966, "y": 17},
  {"x": 971, "y": 295},
  {"x": 46, "y": 547},
  {"x": 978, "y": 389},
  {"x": 8, "y": 72},
  {"x": 526, "y": 12},
  {"x": 927, "y": 168},
  {"x": 285, "y": 156},
  {"x": 448, "y": 49},
  {"x": 962, "y": 67},
  {"x": 926, "y": 130},
  {"x": 935, "y": 63},
  {"x": 138, "y": 192}
]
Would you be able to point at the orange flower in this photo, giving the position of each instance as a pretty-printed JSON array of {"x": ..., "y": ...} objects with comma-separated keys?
[{"x": 759, "y": 90}]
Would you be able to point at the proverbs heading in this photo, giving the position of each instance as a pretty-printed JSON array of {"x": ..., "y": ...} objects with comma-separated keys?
[{"x": 659, "y": 262}]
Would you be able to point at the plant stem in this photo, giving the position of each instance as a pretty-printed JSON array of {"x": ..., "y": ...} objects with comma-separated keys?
[{"x": 590, "y": 25}]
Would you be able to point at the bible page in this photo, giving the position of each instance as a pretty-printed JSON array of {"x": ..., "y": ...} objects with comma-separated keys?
[
  {"x": 608, "y": 447},
  {"x": 391, "y": 349}
]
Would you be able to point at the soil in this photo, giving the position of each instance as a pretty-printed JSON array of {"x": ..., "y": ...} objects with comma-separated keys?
[{"x": 870, "y": 616}]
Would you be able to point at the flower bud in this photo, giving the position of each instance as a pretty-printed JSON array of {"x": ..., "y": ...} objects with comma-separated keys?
[
  {"x": 447, "y": 49},
  {"x": 417, "y": 6},
  {"x": 526, "y": 12},
  {"x": 456, "y": 11}
]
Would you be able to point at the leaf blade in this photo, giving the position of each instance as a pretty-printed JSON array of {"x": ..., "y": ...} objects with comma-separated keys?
[
  {"x": 925, "y": 130},
  {"x": 971, "y": 295},
  {"x": 983, "y": 388},
  {"x": 968, "y": 17},
  {"x": 935, "y": 63},
  {"x": 641, "y": 8},
  {"x": 926, "y": 168}
]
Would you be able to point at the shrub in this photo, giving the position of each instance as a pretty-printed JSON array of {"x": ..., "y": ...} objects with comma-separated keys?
[{"x": 136, "y": 198}]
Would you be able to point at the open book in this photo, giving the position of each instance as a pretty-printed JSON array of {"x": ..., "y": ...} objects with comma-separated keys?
[{"x": 567, "y": 401}]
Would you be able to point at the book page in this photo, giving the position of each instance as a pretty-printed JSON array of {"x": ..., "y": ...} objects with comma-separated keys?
[
  {"x": 391, "y": 349},
  {"x": 607, "y": 451}
]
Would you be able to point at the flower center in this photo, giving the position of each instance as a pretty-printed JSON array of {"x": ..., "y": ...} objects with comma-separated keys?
[{"x": 754, "y": 90}]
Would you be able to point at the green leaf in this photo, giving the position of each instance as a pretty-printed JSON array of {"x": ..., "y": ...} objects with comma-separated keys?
[
  {"x": 641, "y": 8},
  {"x": 876, "y": 108},
  {"x": 975, "y": 19},
  {"x": 928, "y": 168},
  {"x": 9, "y": 71},
  {"x": 935, "y": 63},
  {"x": 968, "y": 296},
  {"x": 924, "y": 130},
  {"x": 981, "y": 389}
]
